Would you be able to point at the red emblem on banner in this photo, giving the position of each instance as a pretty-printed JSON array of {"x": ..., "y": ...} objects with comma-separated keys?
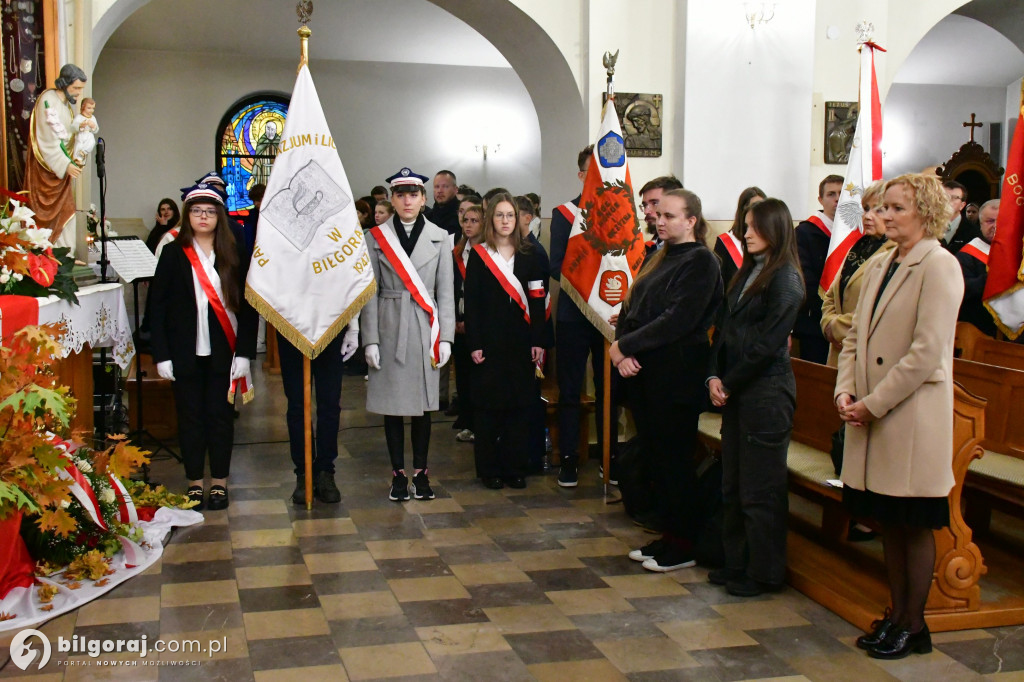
[{"x": 613, "y": 287}]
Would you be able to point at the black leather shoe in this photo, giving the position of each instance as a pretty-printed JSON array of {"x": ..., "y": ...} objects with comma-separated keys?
[
  {"x": 325, "y": 489},
  {"x": 515, "y": 482},
  {"x": 299, "y": 494},
  {"x": 195, "y": 494},
  {"x": 879, "y": 629},
  {"x": 900, "y": 643},
  {"x": 218, "y": 498},
  {"x": 746, "y": 586},
  {"x": 722, "y": 576},
  {"x": 493, "y": 483}
]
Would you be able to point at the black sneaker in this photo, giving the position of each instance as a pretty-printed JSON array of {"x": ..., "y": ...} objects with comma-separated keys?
[
  {"x": 613, "y": 476},
  {"x": 745, "y": 586},
  {"x": 647, "y": 551},
  {"x": 722, "y": 576},
  {"x": 399, "y": 487},
  {"x": 567, "y": 476},
  {"x": 325, "y": 489},
  {"x": 421, "y": 487},
  {"x": 299, "y": 494},
  {"x": 670, "y": 558}
]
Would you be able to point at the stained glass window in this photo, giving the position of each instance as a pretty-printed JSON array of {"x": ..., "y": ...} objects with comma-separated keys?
[{"x": 248, "y": 140}]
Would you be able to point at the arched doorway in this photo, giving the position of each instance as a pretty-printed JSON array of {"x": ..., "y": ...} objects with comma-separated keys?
[{"x": 536, "y": 60}]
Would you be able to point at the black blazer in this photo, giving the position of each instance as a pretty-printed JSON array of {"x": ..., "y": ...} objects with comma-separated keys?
[
  {"x": 752, "y": 333},
  {"x": 495, "y": 324},
  {"x": 173, "y": 314},
  {"x": 812, "y": 245}
]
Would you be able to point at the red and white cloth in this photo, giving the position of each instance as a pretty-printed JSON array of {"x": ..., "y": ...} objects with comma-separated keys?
[{"x": 864, "y": 168}]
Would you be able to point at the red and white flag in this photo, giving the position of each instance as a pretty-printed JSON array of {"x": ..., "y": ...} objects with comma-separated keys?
[
  {"x": 864, "y": 167},
  {"x": 310, "y": 272},
  {"x": 606, "y": 246},
  {"x": 1004, "y": 288}
]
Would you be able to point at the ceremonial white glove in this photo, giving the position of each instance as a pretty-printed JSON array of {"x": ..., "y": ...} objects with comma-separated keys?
[
  {"x": 444, "y": 352},
  {"x": 239, "y": 367},
  {"x": 349, "y": 344},
  {"x": 165, "y": 369},
  {"x": 373, "y": 356}
]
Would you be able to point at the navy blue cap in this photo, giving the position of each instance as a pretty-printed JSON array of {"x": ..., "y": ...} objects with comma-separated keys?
[
  {"x": 211, "y": 178},
  {"x": 406, "y": 178}
]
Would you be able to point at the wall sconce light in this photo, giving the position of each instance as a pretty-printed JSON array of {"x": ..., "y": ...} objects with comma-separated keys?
[
  {"x": 493, "y": 148},
  {"x": 758, "y": 13}
]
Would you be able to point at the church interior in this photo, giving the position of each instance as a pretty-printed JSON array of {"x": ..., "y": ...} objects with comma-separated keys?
[{"x": 533, "y": 584}]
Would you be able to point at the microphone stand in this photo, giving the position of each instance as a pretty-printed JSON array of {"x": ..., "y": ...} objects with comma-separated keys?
[{"x": 101, "y": 173}]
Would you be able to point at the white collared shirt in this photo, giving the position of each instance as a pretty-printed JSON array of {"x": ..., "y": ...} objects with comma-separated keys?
[{"x": 203, "y": 303}]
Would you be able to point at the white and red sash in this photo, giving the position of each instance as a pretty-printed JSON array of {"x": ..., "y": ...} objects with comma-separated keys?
[
  {"x": 227, "y": 324},
  {"x": 822, "y": 222},
  {"x": 734, "y": 246},
  {"x": 568, "y": 211},
  {"x": 168, "y": 237},
  {"x": 403, "y": 267},
  {"x": 461, "y": 256},
  {"x": 503, "y": 272},
  {"x": 977, "y": 248}
]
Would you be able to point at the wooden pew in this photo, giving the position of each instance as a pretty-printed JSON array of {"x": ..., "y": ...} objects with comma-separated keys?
[
  {"x": 972, "y": 345},
  {"x": 997, "y": 480},
  {"x": 159, "y": 415}
]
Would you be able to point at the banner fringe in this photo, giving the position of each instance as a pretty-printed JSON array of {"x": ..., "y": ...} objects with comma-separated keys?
[
  {"x": 603, "y": 326},
  {"x": 1011, "y": 334},
  {"x": 297, "y": 338}
]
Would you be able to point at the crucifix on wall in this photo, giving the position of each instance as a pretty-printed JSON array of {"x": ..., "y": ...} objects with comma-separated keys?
[{"x": 972, "y": 125}]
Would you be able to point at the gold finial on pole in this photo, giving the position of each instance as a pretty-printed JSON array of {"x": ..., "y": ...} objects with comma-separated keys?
[{"x": 304, "y": 9}]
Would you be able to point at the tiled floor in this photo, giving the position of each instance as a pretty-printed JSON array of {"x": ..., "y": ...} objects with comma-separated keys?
[{"x": 475, "y": 585}]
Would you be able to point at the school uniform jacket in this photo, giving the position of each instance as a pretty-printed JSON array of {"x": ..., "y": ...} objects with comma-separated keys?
[
  {"x": 495, "y": 325},
  {"x": 407, "y": 383},
  {"x": 173, "y": 314}
]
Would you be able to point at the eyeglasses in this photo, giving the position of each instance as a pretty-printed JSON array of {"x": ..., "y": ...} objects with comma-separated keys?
[{"x": 201, "y": 212}]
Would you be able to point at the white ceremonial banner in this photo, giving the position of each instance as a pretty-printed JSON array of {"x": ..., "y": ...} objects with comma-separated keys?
[{"x": 310, "y": 273}]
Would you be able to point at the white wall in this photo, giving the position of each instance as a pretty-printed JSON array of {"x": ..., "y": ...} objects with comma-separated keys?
[
  {"x": 748, "y": 104},
  {"x": 164, "y": 108},
  {"x": 924, "y": 123},
  {"x": 1013, "y": 104}
]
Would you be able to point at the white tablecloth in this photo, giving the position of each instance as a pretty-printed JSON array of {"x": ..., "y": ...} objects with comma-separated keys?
[{"x": 100, "y": 320}]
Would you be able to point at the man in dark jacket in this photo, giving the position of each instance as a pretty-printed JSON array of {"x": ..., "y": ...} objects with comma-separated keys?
[
  {"x": 812, "y": 238},
  {"x": 973, "y": 259},
  {"x": 960, "y": 231},
  {"x": 445, "y": 211}
]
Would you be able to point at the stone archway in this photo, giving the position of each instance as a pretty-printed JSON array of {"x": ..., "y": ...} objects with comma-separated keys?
[{"x": 538, "y": 62}]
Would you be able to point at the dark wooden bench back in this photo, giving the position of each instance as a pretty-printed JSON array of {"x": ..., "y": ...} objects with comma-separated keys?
[
  {"x": 1003, "y": 388},
  {"x": 816, "y": 417},
  {"x": 972, "y": 345}
]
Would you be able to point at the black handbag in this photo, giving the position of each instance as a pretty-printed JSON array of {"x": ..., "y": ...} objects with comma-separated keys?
[{"x": 838, "y": 443}]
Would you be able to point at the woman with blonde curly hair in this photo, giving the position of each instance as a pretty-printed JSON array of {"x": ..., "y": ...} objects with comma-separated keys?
[
  {"x": 841, "y": 299},
  {"x": 895, "y": 394}
]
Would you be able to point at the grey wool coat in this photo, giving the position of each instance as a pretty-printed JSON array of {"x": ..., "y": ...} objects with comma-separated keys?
[{"x": 406, "y": 383}]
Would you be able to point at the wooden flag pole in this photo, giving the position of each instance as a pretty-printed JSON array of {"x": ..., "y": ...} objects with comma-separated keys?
[
  {"x": 606, "y": 411},
  {"x": 307, "y": 422}
]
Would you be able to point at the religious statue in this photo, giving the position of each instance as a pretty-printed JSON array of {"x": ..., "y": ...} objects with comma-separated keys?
[
  {"x": 50, "y": 168},
  {"x": 85, "y": 128},
  {"x": 267, "y": 149}
]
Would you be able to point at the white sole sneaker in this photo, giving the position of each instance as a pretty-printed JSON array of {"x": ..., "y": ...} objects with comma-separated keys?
[
  {"x": 638, "y": 555},
  {"x": 653, "y": 565}
]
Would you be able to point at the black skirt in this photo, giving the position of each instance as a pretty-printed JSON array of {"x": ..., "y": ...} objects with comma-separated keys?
[{"x": 918, "y": 512}]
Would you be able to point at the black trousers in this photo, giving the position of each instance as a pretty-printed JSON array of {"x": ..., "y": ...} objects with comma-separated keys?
[
  {"x": 574, "y": 341},
  {"x": 463, "y": 384},
  {"x": 326, "y": 370},
  {"x": 668, "y": 432},
  {"x": 500, "y": 444},
  {"x": 813, "y": 347},
  {"x": 206, "y": 420},
  {"x": 756, "y": 426}
]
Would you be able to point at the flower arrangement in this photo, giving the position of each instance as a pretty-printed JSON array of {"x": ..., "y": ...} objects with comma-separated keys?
[
  {"x": 29, "y": 263},
  {"x": 67, "y": 495},
  {"x": 92, "y": 222}
]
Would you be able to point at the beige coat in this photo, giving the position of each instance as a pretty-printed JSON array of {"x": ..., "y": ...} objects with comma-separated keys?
[
  {"x": 899, "y": 361},
  {"x": 838, "y": 313}
]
